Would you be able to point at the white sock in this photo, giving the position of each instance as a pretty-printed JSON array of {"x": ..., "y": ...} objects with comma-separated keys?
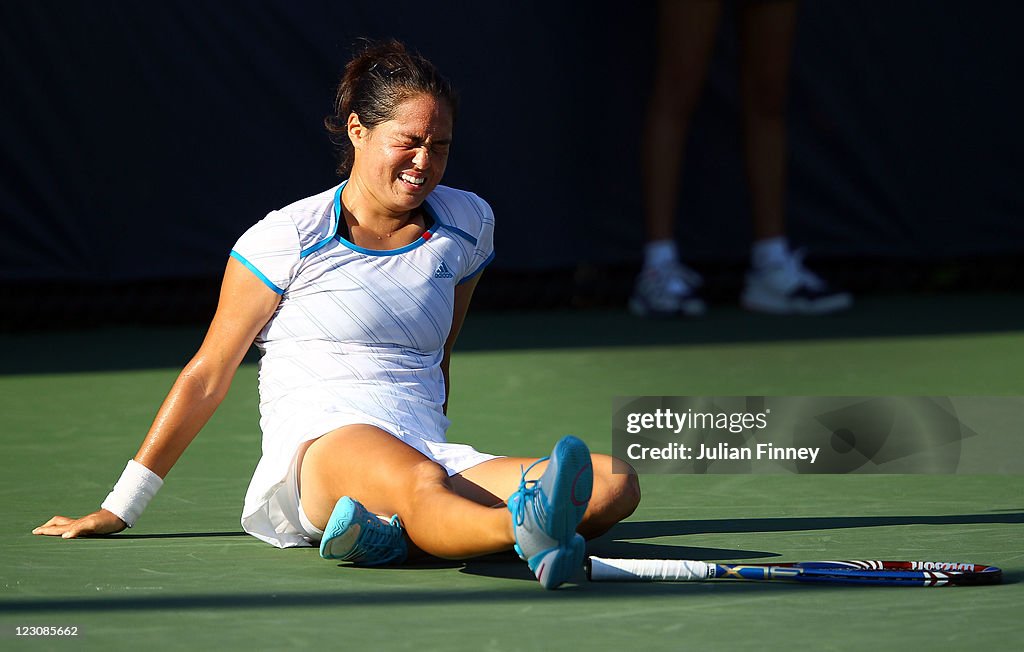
[
  {"x": 659, "y": 253},
  {"x": 770, "y": 252}
]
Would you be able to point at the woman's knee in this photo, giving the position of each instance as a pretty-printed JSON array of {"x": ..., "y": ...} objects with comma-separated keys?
[
  {"x": 623, "y": 494},
  {"x": 616, "y": 496},
  {"x": 425, "y": 478},
  {"x": 365, "y": 463}
]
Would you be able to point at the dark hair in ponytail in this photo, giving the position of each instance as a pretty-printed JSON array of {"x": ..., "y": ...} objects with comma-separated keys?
[{"x": 382, "y": 75}]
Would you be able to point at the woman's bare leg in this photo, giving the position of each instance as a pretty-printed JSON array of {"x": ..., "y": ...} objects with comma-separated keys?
[
  {"x": 390, "y": 477},
  {"x": 614, "y": 497}
]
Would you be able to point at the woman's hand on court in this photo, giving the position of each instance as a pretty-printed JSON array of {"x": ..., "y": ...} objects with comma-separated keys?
[{"x": 98, "y": 523}]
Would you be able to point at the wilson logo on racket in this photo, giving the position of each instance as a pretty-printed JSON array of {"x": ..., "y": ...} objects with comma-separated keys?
[{"x": 941, "y": 566}]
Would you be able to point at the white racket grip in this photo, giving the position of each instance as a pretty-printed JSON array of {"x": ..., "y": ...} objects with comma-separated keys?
[{"x": 600, "y": 569}]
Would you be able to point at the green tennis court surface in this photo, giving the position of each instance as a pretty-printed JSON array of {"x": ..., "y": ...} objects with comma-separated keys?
[{"x": 74, "y": 406}]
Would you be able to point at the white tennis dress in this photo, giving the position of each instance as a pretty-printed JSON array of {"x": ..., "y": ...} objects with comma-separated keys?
[{"x": 357, "y": 338}]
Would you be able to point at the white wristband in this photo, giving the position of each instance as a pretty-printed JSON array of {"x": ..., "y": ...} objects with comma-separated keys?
[{"x": 133, "y": 491}]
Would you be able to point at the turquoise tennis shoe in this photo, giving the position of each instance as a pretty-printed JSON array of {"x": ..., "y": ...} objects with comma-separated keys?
[
  {"x": 356, "y": 535},
  {"x": 546, "y": 512}
]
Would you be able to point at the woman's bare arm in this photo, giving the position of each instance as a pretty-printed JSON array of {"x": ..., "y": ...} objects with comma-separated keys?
[{"x": 245, "y": 306}]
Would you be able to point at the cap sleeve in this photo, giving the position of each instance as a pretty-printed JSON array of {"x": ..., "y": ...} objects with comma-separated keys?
[
  {"x": 483, "y": 251},
  {"x": 271, "y": 250}
]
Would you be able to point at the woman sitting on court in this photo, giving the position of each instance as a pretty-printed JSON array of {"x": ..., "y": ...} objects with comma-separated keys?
[{"x": 354, "y": 298}]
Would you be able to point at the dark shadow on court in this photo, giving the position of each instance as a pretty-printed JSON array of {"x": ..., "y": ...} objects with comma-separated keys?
[
  {"x": 621, "y": 542},
  {"x": 178, "y": 535},
  {"x": 120, "y": 348},
  {"x": 527, "y": 591},
  {"x": 882, "y": 316},
  {"x": 513, "y": 569},
  {"x": 422, "y": 563},
  {"x": 652, "y": 529},
  {"x": 605, "y": 547}
]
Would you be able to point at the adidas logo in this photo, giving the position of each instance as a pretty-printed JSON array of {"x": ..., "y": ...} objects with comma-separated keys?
[{"x": 442, "y": 271}]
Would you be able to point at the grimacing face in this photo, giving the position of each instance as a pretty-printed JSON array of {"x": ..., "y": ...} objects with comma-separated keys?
[{"x": 400, "y": 161}]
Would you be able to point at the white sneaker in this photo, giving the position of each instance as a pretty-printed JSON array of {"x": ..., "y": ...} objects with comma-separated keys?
[
  {"x": 667, "y": 291},
  {"x": 792, "y": 289}
]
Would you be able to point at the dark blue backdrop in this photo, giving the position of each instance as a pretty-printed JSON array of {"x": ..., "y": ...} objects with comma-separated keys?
[{"x": 139, "y": 140}]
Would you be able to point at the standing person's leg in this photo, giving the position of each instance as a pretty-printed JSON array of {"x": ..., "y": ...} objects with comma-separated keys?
[
  {"x": 686, "y": 38},
  {"x": 778, "y": 282},
  {"x": 766, "y": 32}
]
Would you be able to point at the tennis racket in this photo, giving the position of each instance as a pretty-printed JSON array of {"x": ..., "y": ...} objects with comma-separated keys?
[{"x": 870, "y": 572}]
